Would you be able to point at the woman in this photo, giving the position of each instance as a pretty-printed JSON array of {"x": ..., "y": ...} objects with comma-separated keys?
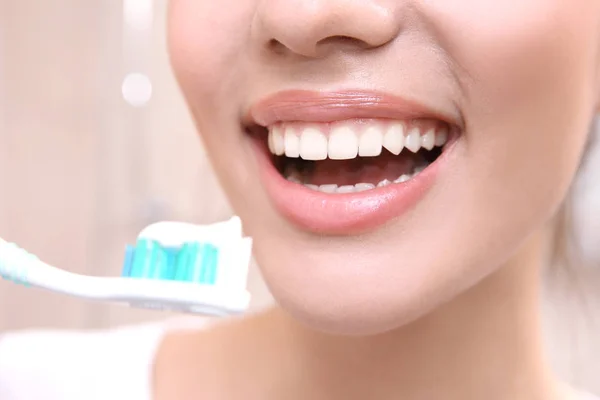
[{"x": 402, "y": 166}]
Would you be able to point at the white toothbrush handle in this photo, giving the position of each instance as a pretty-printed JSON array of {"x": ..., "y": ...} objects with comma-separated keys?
[{"x": 18, "y": 265}]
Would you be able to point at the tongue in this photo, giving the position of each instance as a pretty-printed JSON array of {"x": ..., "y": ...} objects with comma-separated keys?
[{"x": 360, "y": 170}]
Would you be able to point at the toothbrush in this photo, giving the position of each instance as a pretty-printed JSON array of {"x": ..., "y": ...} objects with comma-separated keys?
[{"x": 174, "y": 266}]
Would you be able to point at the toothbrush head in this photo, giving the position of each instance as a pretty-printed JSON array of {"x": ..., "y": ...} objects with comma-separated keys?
[
  {"x": 211, "y": 259},
  {"x": 191, "y": 262}
]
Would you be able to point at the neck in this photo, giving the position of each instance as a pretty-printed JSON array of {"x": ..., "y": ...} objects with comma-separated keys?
[{"x": 484, "y": 344}]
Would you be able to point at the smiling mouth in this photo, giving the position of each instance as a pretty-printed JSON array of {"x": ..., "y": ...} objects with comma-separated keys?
[
  {"x": 346, "y": 162},
  {"x": 355, "y": 155}
]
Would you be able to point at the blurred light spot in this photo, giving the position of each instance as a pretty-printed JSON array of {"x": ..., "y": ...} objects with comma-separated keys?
[
  {"x": 137, "y": 89},
  {"x": 138, "y": 14}
]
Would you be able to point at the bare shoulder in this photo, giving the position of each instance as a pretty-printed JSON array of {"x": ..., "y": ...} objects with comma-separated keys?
[
  {"x": 216, "y": 363},
  {"x": 181, "y": 367}
]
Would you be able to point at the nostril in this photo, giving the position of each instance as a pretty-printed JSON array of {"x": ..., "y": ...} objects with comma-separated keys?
[
  {"x": 343, "y": 41},
  {"x": 322, "y": 46},
  {"x": 273, "y": 43},
  {"x": 276, "y": 46}
]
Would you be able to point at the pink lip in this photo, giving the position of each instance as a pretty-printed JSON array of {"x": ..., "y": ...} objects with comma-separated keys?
[
  {"x": 301, "y": 105},
  {"x": 341, "y": 214}
]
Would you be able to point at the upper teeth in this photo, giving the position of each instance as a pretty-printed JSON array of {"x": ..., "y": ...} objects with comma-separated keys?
[{"x": 350, "y": 139}]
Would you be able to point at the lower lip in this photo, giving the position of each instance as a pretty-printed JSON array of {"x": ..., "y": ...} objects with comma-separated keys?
[{"x": 347, "y": 213}]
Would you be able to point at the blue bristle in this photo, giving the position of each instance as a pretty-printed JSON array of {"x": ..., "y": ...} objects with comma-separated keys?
[
  {"x": 199, "y": 270},
  {"x": 154, "y": 262},
  {"x": 209, "y": 265},
  {"x": 169, "y": 267},
  {"x": 127, "y": 263},
  {"x": 159, "y": 263},
  {"x": 146, "y": 259},
  {"x": 195, "y": 261},
  {"x": 192, "y": 262},
  {"x": 185, "y": 259},
  {"x": 180, "y": 270},
  {"x": 139, "y": 257}
]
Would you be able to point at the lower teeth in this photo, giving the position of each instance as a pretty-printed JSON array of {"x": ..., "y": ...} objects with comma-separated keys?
[{"x": 359, "y": 187}]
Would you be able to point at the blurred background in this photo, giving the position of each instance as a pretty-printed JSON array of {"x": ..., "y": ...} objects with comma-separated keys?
[{"x": 96, "y": 143}]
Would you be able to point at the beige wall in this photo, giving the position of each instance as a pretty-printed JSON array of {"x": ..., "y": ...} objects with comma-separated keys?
[{"x": 81, "y": 172}]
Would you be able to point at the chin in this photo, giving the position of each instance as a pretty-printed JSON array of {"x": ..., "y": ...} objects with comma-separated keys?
[
  {"x": 349, "y": 313},
  {"x": 349, "y": 297}
]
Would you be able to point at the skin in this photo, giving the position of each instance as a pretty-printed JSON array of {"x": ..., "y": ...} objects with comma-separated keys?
[{"x": 441, "y": 302}]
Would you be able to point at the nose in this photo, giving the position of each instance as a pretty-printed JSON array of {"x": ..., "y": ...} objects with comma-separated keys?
[{"x": 309, "y": 27}]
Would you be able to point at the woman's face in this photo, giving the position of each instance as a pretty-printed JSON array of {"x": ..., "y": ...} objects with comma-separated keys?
[{"x": 417, "y": 143}]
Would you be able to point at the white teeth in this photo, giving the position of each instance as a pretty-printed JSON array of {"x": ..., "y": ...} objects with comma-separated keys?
[
  {"x": 313, "y": 144},
  {"x": 413, "y": 140},
  {"x": 361, "y": 187},
  {"x": 346, "y": 189},
  {"x": 276, "y": 142},
  {"x": 393, "y": 140},
  {"x": 292, "y": 175},
  {"x": 441, "y": 137},
  {"x": 370, "y": 142},
  {"x": 343, "y": 143},
  {"x": 292, "y": 143},
  {"x": 328, "y": 188},
  {"x": 428, "y": 139},
  {"x": 403, "y": 178},
  {"x": 348, "y": 140},
  {"x": 271, "y": 144}
]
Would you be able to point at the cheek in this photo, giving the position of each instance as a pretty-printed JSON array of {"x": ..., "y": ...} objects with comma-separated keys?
[
  {"x": 527, "y": 70},
  {"x": 513, "y": 52},
  {"x": 208, "y": 48},
  {"x": 207, "y": 40}
]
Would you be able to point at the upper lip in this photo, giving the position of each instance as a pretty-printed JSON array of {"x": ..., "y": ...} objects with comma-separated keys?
[{"x": 314, "y": 106}]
